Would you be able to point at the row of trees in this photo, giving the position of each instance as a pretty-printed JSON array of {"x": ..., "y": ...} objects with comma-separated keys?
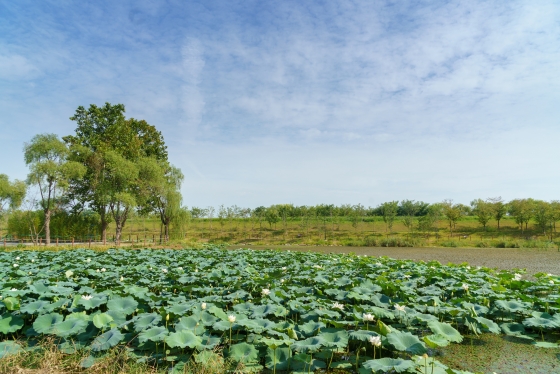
[
  {"x": 111, "y": 166},
  {"x": 415, "y": 215}
]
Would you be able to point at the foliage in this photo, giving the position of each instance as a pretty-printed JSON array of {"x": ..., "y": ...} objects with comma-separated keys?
[{"x": 264, "y": 308}]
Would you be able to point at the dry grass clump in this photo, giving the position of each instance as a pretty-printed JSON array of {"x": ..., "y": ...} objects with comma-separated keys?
[{"x": 46, "y": 358}]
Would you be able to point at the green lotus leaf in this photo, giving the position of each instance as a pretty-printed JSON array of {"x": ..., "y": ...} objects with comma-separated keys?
[
  {"x": 382, "y": 328},
  {"x": 387, "y": 364},
  {"x": 218, "y": 312},
  {"x": 70, "y": 327},
  {"x": 102, "y": 321},
  {"x": 546, "y": 345},
  {"x": 338, "y": 339},
  {"x": 425, "y": 317},
  {"x": 183, "y": 339},
  {"x": 512, "y": 306},
  {"x": 361, "y": 335},
  {"x": 208, "y": 342},
  {"x": 435, "y": 341},
  {"x": 107, "y": 340},
  {"x": 243, "y": 352},
  {"x": 263, "y": 310},
  {"x": 10, "y": 323},
  {"x": 11, "y": 303},
  {"x": 180, "y": 309},
  {"x": 406, "y": 342},
  {"x": 541, "y": 323},
  {"x": 44, "y": 324},
  {"x": 34, "y": 307},
  {"x": 118, "y": 317},
  {"x": 208, "y": 358},
  {"x": 514, "y": 329},
  {"x": 488, "y": 325},
  {"x": 8, "y": 348},
  {"x": 92, "y": 303},
  {"x": 207, "y": 319},
  {"x": 312, "y": 344},
  {"x": 154, "y": 334},
  {"x": 146, "y": 320},
  {"x": 310, "y": 327},
  {"x": 445, "y": 330},
  {"x": 193, "y": 325},
  {"x": 278, "y": 358},
  {"x": 126, "y": 305}
]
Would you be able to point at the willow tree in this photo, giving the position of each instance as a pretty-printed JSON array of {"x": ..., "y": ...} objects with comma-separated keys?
[
  {"x": 159, "y": 190},
  {"x": 50, "y": 170},
  {"x": 11, "y": 194}
]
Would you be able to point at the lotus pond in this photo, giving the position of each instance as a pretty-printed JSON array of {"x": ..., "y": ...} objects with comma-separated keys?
[{"x": 266, "y": 311}]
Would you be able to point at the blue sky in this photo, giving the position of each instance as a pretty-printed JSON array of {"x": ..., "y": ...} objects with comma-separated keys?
[{"x": 302, "y": 102}]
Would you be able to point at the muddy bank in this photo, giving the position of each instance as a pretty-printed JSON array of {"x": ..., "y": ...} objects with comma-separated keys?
[{"x": 534, "y": 260}]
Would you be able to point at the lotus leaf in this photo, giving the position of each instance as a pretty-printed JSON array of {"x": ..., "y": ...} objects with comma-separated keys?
[
  {"x": 405, "y": 341},
  {"x": 312, "y": 344},
  {"x": 338, "y": 339},
  {"x": 278, "y": 358},
  {"x": 243, "y": 352},
  {"x": 154, "y": 334},
  {"x": 44, "y": 324},
  {"x": 146, "y": 320},
  {"x": 70, "y": 327},
  {"x": 102, "y": 321},
  {"x": 125, "y": 305},
  {"x": 183, "y": 339},
  {"x": 8, "y": 348},
  {"x": 445, "y": 330},
  {"x": 107, "y": 340},
  {"x": 387, "y": 364}
]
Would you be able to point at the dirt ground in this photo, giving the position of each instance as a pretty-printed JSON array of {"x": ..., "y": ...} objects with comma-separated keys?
[{"x": 533, "y": 260}]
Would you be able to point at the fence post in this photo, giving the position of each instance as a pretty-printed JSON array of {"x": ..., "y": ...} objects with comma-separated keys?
[
  {"x": 57, "y": 242},
  {"x": 4, "y": 243},
  {"x": 89, "y": 245},
  {"x": 40, "y": 241}
]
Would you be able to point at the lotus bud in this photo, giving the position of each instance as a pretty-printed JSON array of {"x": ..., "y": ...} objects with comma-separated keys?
[
  {"x": 203, "y": 306},
  {"x": 231, "y": 318}
]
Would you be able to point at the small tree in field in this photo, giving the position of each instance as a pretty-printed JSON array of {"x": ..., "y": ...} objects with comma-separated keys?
[
  {"x": 499, "y": 208},
  {"x": 452, "y": 212},
  {"x": 50, "y": 171},
  {"x": 483, "y": 210},
  {"x": 389, "y": 213}
]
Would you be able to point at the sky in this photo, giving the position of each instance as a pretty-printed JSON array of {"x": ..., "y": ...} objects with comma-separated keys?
[{"x": 302, "y": 102}]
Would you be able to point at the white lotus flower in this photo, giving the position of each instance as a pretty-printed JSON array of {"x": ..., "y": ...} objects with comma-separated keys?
[
  {"x": 517, "y": 277},
  {"x": 338, "y": 305},
  {"x": 465, "y": 286},
  {"x": 406, "y": 276},
  {"x": 87, "y": 297},
  {"x": 180, "y": 268},
  {"x": 14, "y": 289},
  {"x": 32, "y": 260},
  {"x": 69, "y": 273},
  {"x": 265, "y": 291},
  {"x": 231, "y": 318},
  {"x": 103, "y": 270},
  {"x": 122, "y": 278},
  {"x": 368, "y": 317},
  {"x": 281, "y": 280},
  {"x": 17, "y": 258},
  {"x": 375, "y": 340},
  {"x": 164, "y": 270},
  {"x": 203, "y": 306},
  {"x": 284, "y": 268},
  {"x": 399, "y": 308},
  {"x": 16, "y": 265},
  {"x": 88, "y": 259},
  {"x": 551, "y": 281},
  {"x": 98, "y": 270}
]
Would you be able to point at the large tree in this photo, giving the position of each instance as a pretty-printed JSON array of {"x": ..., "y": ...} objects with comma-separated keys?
[
  {"x": 389, "y": 212},
  {"x": 111, "y": 148},
  {"x": 50, "y": 170}
]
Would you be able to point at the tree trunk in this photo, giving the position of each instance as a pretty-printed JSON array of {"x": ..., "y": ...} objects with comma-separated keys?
[
  {"x": 104, "y": 225},
  {"x": 48, "y": 227},
  {"x": 118, "y": 232}
]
